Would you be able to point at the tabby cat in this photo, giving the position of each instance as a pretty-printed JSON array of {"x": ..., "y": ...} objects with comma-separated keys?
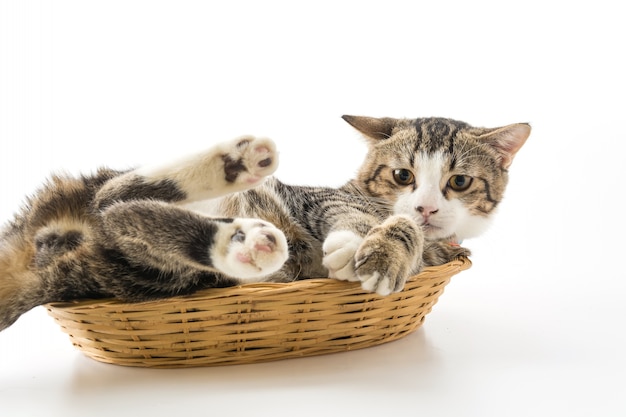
[{"x": 217, "y": 219}]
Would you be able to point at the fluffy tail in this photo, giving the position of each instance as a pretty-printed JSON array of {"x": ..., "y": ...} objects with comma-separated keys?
[{"x": 20, "y": 288}]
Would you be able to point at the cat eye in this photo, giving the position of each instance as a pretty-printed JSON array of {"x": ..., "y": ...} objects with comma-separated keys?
[
  {"x": 403, "y": 176},
  {"x": 460, "y": 182}
]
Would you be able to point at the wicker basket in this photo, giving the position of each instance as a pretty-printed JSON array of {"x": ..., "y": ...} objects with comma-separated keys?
[{"x": 250, "y": 323}]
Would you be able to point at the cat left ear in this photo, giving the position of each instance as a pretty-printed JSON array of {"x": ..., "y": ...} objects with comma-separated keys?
[
  {"x": 371, "y": 127},
  {"x": 507, "y": 141}
]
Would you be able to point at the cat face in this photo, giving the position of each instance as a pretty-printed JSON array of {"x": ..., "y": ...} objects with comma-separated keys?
[{"x": 445, "y": 174}]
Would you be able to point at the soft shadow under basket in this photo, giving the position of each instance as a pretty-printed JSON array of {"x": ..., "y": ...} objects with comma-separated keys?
[{"x": 250, "y": 323}]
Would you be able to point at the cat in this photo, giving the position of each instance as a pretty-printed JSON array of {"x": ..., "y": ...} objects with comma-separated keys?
[{"x": 219, "y": 218}]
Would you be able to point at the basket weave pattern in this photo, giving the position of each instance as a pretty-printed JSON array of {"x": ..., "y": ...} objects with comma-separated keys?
[{"x": 250, "y": 323}]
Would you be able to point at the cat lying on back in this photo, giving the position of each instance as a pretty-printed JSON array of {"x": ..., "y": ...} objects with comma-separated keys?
[{"x": 216, "y": 219}]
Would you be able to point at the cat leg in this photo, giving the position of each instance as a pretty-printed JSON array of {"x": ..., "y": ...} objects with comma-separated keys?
[
  {"x": 225, "y": 168},
  {"x": 171, "y": 238}
]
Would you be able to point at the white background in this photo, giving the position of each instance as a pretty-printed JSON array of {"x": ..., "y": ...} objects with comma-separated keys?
[{"x": 536, "y": 327}]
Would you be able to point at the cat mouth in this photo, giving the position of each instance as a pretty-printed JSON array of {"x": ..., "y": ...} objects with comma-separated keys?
[
  {"x": 431, "y": 230},
  {"x": 429, "y": 227}
]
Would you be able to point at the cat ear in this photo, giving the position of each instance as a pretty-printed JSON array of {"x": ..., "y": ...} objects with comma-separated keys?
[
  {"x": 374, "y": 128},
  {"x": 507, "y": 141}
]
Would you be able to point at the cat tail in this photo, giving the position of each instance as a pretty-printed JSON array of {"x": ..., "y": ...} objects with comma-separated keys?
[{"x": 21, "y": 288}]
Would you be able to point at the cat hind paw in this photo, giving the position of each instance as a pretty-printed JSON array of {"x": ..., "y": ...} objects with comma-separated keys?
[
  {"x": 247, "y": 160},
  {"x": 252, "y": 249}
]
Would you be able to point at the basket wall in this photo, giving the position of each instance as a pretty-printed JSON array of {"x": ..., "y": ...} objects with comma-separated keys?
[{"x": 250, "y": 323}]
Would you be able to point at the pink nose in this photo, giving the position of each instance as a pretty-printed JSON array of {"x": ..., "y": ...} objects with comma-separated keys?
[{"x": 427, "y": 211}]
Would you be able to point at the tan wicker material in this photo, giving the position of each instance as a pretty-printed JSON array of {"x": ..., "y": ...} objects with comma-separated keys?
[{"x": 250, "y": 323}]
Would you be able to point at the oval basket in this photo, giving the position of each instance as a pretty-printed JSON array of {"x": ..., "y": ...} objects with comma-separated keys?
[{"x": 250, "y": 323}]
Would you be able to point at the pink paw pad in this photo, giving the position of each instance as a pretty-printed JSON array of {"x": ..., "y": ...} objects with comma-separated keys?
[{"x": 243, "y": 258}]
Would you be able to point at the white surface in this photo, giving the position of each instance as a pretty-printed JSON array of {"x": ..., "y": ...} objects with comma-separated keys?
[{"x": 536, "y": 327}]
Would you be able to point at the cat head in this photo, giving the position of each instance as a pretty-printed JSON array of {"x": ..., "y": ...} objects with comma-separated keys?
[{"x": 445, "y": 174}]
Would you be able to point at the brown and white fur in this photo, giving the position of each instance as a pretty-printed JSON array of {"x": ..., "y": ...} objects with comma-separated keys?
[{"x": 218, "y": 219}]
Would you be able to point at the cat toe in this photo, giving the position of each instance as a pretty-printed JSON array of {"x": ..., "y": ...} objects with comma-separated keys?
[{"x": 376, "y": 283}]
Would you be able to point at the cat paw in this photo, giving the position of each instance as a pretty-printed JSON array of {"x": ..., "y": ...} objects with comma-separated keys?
[
  {"x": 389, "y": 253},
  {"x": 339, "y": 250},
  {"x": 250, "y": 249},
  {"x": 439, "y": 252},
  {"x": 378, "y": 271},
  {"x": 247, "y": 160}
]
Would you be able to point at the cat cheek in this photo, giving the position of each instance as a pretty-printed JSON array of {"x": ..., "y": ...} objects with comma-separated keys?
[
  {"x": 468, "y": 225},
  {"x": 404, "y": 206}
]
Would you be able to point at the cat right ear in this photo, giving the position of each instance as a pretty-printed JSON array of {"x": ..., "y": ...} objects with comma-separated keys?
[
  {"x": 507, "y": 141},
  {"x": 372, "y": 127}
]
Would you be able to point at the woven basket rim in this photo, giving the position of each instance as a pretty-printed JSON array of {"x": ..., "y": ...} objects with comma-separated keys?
[
  {"x": 250, "y": 323},
  {"x": 312, "y": 285}
]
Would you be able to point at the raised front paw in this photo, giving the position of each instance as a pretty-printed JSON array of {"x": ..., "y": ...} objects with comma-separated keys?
[
  {"x": 247, "y": 160},
  {"x": 249, "y": 249},
  {"x": 389, "y": 253},
  {"x": 339, "y": 250},
  {"x": 378, "y": 271}
]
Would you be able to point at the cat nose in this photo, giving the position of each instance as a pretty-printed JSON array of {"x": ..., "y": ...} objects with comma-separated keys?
[{"x": 427, "y": 211}]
